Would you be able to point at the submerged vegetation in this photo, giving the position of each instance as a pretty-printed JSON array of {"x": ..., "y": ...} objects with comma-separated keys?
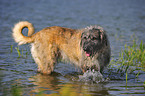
[
  {"x": 20, "y": 51},
  {"x": 131, "y": 59}
]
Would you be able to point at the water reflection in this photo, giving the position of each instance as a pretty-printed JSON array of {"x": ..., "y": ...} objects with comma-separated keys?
[{"x": 54, "y": 85}]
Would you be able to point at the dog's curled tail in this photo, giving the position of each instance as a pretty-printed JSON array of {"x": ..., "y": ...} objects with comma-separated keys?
[{"x": 17, "y": 32}]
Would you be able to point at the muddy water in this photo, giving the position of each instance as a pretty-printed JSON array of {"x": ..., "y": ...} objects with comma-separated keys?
[{"x": 122, "y": 19}]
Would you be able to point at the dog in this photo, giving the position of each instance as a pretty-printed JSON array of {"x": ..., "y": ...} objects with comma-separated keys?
[{"x": 86, "y": 48}]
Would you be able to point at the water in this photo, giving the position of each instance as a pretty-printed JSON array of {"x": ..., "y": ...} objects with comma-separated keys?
[
  {"x": 120, "y": 18},
  {"x": 92, "y": 76}
]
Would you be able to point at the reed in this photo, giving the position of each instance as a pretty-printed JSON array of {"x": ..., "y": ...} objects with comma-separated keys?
[
  {"x": 11, "y": 48},
  {"x": 132, "y": 58},
  {"x": 18, "y": 51},
  {"x": 21, "y": 52}
]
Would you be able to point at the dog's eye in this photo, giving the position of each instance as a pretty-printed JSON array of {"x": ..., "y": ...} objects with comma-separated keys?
[
  {"x": 94, "y": 38},
  {"x": 85, "y": 37}
]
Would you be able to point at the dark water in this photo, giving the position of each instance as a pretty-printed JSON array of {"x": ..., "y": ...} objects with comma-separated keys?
[{"x": 122, "y": 19}]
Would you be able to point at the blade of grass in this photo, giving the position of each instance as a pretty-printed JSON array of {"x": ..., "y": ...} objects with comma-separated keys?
[
  {"x": 126, "y": 79},
  {"x": 11, "y": 48},
  {"x": 18, "y": 51}
]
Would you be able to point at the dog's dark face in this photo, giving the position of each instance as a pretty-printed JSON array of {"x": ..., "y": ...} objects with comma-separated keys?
[{"x": 91, "y": 41}]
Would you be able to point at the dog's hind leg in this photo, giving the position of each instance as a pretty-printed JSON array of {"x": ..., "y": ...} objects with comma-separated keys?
[{"x": 45, "y": 56}]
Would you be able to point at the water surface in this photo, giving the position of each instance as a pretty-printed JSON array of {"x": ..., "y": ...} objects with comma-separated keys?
[{"x": 122, "y": 19}]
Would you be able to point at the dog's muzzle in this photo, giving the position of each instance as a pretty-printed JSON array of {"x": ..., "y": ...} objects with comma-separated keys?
[{"x": 88, "y": 51}]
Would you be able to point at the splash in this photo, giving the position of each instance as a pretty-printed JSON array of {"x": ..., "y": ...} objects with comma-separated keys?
[{"x": 92, "y": 76}]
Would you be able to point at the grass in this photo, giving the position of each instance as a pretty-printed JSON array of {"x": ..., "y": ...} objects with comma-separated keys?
[
  {"x": 132, "y": 58},
  {"x": 11, "y": 48},
  {"x": 20, "y": 52}
]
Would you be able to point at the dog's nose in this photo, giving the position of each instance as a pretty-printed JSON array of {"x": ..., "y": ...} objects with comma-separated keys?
[{"x": 87, "y": 48}]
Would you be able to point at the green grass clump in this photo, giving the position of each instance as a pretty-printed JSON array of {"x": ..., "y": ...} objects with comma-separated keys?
[
  {"x": 132, "y": 58},
  {"x": 21, "y": 51}
]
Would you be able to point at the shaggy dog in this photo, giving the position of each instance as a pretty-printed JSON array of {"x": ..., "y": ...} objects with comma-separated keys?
[{"x": 87, "y": 48}]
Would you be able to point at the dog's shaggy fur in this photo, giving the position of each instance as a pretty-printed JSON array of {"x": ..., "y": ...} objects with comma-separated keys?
[{"x": 87, "y": 48}]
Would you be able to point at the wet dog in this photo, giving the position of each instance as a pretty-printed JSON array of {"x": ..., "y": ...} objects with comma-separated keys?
[{"x": 87, "y": 48}]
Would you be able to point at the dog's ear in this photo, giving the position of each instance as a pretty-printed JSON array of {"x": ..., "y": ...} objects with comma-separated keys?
[{"x": 103, "y": 37}]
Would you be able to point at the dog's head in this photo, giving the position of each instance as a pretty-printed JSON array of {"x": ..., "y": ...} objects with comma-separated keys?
[{"x": 92, "y": 40}]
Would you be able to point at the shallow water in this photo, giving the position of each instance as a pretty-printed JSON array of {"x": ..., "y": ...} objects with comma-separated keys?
[
  {"x": 122, "y": 19},
  {"x": 92, "y": 76}
]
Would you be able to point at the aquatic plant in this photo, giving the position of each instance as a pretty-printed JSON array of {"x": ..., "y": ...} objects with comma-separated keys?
[
  {"x": 18, "y": 51},
  {"x": 11, "y": 48},
  {"x": 21, "y": 51},
  {"x": 132, "y": 58}
]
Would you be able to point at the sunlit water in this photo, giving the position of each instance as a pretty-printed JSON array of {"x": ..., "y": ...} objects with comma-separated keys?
[{"x": 122, "y": 19}]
